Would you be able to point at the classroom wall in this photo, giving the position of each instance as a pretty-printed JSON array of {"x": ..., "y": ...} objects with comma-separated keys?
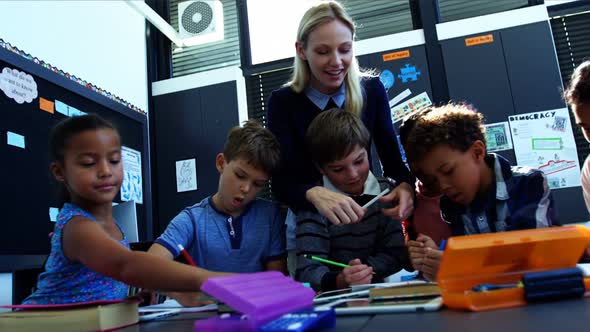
[
  {"x": 197, "y": 111},
  {"x": 102, "y": 42}
]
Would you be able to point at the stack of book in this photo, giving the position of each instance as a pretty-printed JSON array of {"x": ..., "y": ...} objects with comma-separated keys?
[{"x": 86, "y": 316}]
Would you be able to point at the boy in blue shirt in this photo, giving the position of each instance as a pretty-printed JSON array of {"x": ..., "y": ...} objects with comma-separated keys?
[
  {"x": 482, "y": 193},
  {"x": 232, "y": 231},
  {"x": 374, "y": 247}
]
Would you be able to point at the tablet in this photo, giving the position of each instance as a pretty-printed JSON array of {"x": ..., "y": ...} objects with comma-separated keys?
[
  {"x": 339, "y": 294},
  {"x": 362, "y": 306}
]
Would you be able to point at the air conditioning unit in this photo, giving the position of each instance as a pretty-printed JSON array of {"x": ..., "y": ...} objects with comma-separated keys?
[{"x": 200, "y": 22}]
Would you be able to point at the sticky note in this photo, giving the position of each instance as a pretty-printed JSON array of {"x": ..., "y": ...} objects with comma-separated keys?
[
  {"x": 75, "y": 112},
  {"x": 53, "y": 212},
  {"x": 62, "y": 108},
  {"x": 15, "y": 139},
  {"x": 46, "y": 105}
]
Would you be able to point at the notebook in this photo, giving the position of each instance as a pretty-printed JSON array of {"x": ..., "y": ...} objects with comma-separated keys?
[
  {"x": 403, "y": 297},
  {"x": 85, "y": 316},
  {"x": 404, "y": 292}
]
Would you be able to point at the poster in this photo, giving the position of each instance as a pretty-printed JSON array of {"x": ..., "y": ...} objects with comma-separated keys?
[
  {"x": 410, "y": 107},
  {"x": 545, "y": 140},
  {"x": 18, "y": 85},
  {"x": 132, "y": 187},
  {"x": 498, "y": 137},
  {"x": 186, "y": 175}
]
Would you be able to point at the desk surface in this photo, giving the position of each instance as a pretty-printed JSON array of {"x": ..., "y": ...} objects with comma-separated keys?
[
  {"x": 185, "y": 322},
  {"x": 570, "y": 315}
]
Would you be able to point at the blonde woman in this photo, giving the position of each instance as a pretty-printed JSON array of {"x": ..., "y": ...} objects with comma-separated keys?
[{"x": 325, "y": 76}]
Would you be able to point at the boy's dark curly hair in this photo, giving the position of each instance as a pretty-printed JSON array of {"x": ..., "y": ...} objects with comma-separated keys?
[
  {"x": 578, "y": 90},
  {"x": 456, "y": 125}
]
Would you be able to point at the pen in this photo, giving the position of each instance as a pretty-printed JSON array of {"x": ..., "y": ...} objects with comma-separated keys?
[
  {"x": 186, "y": 255},
  {"x": 443, "y": 243},
  {"x": 489, "y": 287},
  {"x": 369, "y": 203},
  {"x": 326, "y": 261}
]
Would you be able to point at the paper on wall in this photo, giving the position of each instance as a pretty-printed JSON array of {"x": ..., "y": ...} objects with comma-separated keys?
[
  {"x": 186, "y": 175},
  {"x": 545, "y": 140},
  {"x": 410, "y": 107},
  {"x": 132, "y": 187},
  {"x": 498, "y": 137}
]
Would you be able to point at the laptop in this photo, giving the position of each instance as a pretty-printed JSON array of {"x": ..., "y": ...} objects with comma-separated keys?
[{"x": 126, "y": 217}]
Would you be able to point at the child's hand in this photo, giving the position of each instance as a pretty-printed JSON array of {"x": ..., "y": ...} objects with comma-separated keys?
[
  {"x": 190, "y": 299},
  {"x": 426, "y": 241},
  {"x": 431, "y": 263},
  {"x": 417, "y": 250},
  {"x": 338, "y": 208},
  {"x": 356, "y": 274},
  {"x": 403, "y": 199}
]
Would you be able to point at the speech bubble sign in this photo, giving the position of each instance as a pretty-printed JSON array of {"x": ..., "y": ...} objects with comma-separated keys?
[{"x": 18, "y": 85}]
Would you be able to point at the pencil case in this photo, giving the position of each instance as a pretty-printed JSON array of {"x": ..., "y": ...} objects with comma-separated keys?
[
  {"x": 509, "y": 258},
  {"x": 553, "y": 285},
  {"x": 259, "y": 297}
]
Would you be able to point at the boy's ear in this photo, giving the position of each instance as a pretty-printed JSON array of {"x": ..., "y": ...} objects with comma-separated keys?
[
  {"x": 479, "y": 150},
  {"x": 300, "y": 51},
  {"x": 57, "y": 171},
  {"x": 220, "y": 162}
]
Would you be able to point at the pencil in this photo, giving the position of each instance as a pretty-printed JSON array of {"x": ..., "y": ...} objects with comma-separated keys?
[
  {"x": 188, "y": 257},
  {"x": 369, "y": 203},
  {"x": 327, "y": 261}
]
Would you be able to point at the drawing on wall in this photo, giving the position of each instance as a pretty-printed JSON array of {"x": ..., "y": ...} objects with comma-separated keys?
[
  {"x": 387, "y": 78},
  {"x": 132, "y": 187},
  {"x": 498, "y": 137},
  {"x": 545, "y": 140},
  {"x": 186, "y": 175},
  {"x": 18, "y": 85},
  {"x": 408, "y": 73},
  {"x": 410, "y": 107}
]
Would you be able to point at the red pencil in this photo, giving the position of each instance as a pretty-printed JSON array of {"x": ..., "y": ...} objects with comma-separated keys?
[{"x": 186, "y": 255}]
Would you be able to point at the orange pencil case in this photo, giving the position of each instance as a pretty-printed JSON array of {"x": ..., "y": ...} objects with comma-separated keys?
[{"x": 503, "y": 258}]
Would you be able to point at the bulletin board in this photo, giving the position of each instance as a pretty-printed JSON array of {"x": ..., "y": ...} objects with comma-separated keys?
[
  {"x": 33, "y": 98},
  {"x": 406, "y": 78}
]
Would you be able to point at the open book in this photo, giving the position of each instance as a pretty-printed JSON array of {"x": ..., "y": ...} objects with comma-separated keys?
[{"x": 76, "y": 317}]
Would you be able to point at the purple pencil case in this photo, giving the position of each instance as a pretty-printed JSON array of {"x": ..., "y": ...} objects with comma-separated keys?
[{"x": 260, "y": 297}]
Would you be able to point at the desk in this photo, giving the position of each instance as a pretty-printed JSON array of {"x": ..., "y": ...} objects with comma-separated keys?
[
  {"x": 570, "y": 315},
  {"x": 185, "y": 322}
]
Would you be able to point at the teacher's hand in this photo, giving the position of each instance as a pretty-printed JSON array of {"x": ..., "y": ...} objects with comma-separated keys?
[
  {"x": 338, "y": 208},
  {"x": 403, "y": 199}
]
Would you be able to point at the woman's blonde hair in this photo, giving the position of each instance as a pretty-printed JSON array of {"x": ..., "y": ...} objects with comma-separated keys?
[{"x": 317, "y": 15}]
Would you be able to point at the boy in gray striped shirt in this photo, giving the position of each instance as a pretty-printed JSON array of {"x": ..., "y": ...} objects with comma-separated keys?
[{"x": 373, "y": 248}]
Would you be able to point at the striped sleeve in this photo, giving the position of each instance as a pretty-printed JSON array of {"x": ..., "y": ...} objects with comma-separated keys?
[{"x": 313, "y": 238}]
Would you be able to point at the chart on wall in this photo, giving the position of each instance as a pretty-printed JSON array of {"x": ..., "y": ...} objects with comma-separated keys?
[
  {"x": 404, "y": 74},
  {"x": 545, "y": 140}
]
